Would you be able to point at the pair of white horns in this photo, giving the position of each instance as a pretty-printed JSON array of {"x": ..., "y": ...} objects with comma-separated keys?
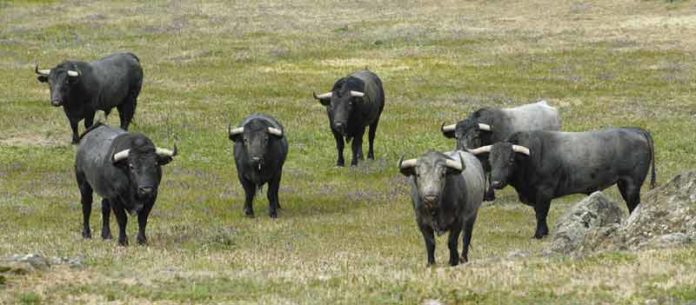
[
  {"x": 412, "y": 162},
  {"x": 487, "y": 149},
  {"x": 162, "y": 152},
  {"x": 46, "y": 72},
  {"x": 452, "y": 127},
  {"x": 271, "y": 130},
  {"x": 329, "y": 94}
]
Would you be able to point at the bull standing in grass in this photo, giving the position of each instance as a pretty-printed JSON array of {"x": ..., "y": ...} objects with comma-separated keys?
[
  {"x": 83, "y": 88},
  {"x": 260, "y": 149},
  {"x": 487, "y": 126},
  {"x": 446, "y": 190},
  {"x": 355, "y": 102},
  {"x": 125, "y": 170},
  {"x": 543, "y": 165}
]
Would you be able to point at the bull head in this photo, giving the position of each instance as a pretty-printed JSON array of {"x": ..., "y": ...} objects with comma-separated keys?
[
  {"x": 142, "y": 162},
  {"x": 503, "y": 159},
  {"x": 339, "y": 106},
  {"x": 253, "y": 138},
  {"x": 430, "y": 172},
  {"x": 60, "y": 79}
]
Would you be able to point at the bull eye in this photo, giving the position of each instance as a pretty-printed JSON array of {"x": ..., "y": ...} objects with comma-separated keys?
[{"x": 131, "y": 166}]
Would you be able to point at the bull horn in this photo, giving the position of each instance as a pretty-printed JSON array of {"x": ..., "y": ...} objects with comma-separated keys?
[
  {"x": 480, "y": 150},
  {"x": 121, "y": 155},
  {"x": 43, "y": 72},
  {"x": 356, "y": 93},
  {"x": 485, "y": 127},
  {"x": 407, "y": 163},
  {"x": 322, "y": 96},
  {"x": 520, "y": 149},
  {"x": 275, "y": 131},
  {"x": 163, "y": 152},
  {"x": 236, "y": 131},
  {"x": 448, "y": 128},
  {"x": 454, "y": 164},
  {"x": 72, "y": 73}
]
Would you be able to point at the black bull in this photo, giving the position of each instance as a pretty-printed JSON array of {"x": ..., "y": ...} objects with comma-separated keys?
[
  {"x": 355, "y": 102},
  {"x": 543, "y": 165},
  {"x": 124, "y": 169},
  {"x": 260, "y": 150},
  {"x": 83, "y": 88}
]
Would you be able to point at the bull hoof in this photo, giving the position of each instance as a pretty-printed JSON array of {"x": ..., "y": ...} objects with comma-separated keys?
[
  {"x": 339, "y": 164},
  {"x": 539, "y": 235},
  {"x": 489, "y": 196},
  {"x": 75, "y": 142},
  {"x": 463, "y": 259},
  {"x": 249, "y": 214},
  {"x": 86, "y": 234},
  {"x": 142, "y": 241},
  {"x": 371, "y": 156},
  {"x": 273, "y": 215},
  {"x": 454, "y": 262},
  {"x": 123, "y": 242},
  {"x": 106, "y": 235}
]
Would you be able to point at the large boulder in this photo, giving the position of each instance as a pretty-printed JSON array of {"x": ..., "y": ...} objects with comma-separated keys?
[
  {"x": 666, "y": 217},
  {"x": 593, "y": 212}
]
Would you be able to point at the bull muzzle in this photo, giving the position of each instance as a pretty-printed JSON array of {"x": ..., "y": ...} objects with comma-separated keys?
[
  {"x": 56, "y": 103},
  {"x": 497, "y": 184},
  {"x": 146, "y": 191},
  {"x": 340, "y": 127}
]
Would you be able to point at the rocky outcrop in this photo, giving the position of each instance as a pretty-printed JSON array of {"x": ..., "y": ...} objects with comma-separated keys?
[
  {"x": 593, "y": 212},
  {"x": 665, "y": 218}
]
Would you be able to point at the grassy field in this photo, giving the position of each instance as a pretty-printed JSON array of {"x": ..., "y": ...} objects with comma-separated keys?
[{"x": 345, "y": 235}]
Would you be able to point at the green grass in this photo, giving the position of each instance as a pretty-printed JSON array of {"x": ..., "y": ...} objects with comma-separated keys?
[{"x": 345, "y": 235}]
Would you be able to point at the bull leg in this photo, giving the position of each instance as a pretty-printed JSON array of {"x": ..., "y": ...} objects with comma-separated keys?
[
  {"x": 73, "y": 126},
  {"x": 468, "y": 231},
  {"x": 371, "y": 140},
  {"x": 357, "y": 147},
  {"x": 125, "y": 113},
  {"x": 86, "y": 200},
  {"x": 452, "y": 244},
  {"x": 89, "y": 120},
  {"x": 490, "y": 193},
  {"x": 429, "y": 238},
  {"x": 122, "y": 220},
  {"x": 106, "y": 212},
  {"x": 142, "y": 222},
  {"x": 272, "y": 195},
  {"x": 249, "y": 191},
  {"x": 339, "y": 148},
  {"x": 630, "y": 192},
  {"x": 541, "y": 208}
]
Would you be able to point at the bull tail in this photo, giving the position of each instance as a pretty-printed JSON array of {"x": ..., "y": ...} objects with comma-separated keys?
[{"x": 652, "y": 157}]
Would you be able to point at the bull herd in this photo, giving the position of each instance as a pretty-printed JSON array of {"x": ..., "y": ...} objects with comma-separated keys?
[{"x": 522, "y": 147}]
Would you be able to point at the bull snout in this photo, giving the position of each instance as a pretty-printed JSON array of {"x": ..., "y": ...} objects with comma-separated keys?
[
  {"x": 430, "y": 199},
  {"x": 340, "y": 127},
  {"x": 145, "y": 191},
  {"x": 56, "y": 102},
  {"x": 496, "y": 184}
]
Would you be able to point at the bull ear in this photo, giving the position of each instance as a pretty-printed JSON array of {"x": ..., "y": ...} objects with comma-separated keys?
[
  {"x": 455, "y": 167},
  {"x": 120, "y": 158},
  {"x": 448, "y": 130},
  {"x": 164, "y": 160},
  {"x": 42, "y": 78},
  {"x": 234, "y": 134},
  {"x": 324, "y": 99},
  {"x": 408, "y": 167}
]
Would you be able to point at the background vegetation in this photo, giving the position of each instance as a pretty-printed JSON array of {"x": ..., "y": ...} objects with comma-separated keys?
[{"x": 345, "y": 235}]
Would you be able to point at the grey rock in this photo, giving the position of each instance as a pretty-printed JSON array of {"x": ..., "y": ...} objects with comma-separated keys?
[
  {"x": 591, "y": 213},
  {"x": 665, "y": 218}
]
